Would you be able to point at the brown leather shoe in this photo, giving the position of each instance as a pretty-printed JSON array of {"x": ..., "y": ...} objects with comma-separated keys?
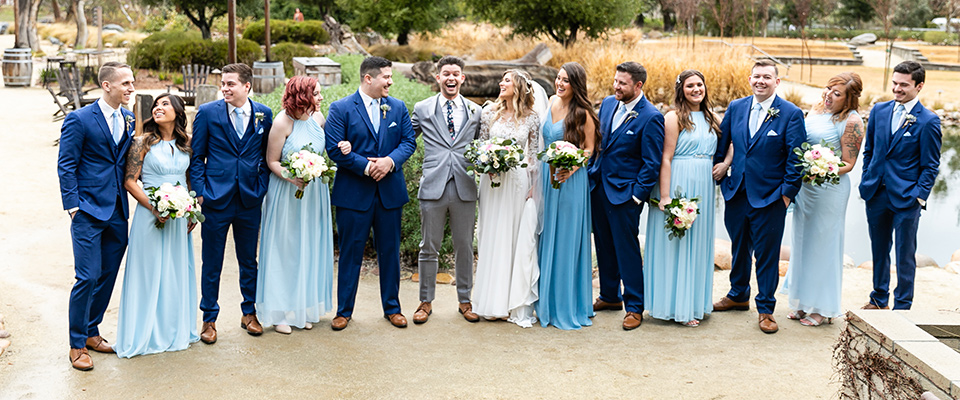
[
  {"x": 251, "y": 324},
  {"x": 80, "y": 359},
  {"x": 398, "y": 320},
  {"x": 208, "y": 333},
  {"x": 423, "y": 312},
  {"x": 725, "y": 304},
  {"x": 467, "y": 310},
  {"x": 601, "y": 305},
  {"x": 99, "y": 345},
  {"x": 768, "y": 324},
  {"x": 871, "y": 306},
  {"x": 632, "y": 321},
  {"x": 339, "y": 323}
]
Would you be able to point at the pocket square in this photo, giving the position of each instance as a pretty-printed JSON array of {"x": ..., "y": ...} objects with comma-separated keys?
[
  {"x": 392, "y": 124},
  {"x": 630, "y": 133},
  {"x": 773, "y": 133},
  {"x": 260, "y": 130},
  {"x": 907, "y": 134}
]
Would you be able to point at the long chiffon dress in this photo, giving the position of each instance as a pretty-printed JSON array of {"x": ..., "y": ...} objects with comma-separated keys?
[
  {"x": 499, "y": 221},
  {"x": 678, "y": 272},
  {"x": 158, "y": 304},
  {"x": 566, "y": 264},
  {"x": 295, "y": 278},
  {"x": 813, "y": 281}
]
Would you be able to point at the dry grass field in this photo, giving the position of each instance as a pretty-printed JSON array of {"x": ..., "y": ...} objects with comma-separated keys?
[
  {"x": 67, "y": 33},
  {"x": 941, "y": 88},
  {"x": 934, "y": 53}
]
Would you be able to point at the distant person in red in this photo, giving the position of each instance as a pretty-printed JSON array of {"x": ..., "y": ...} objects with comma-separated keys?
[{"x": 298, "y": 16}]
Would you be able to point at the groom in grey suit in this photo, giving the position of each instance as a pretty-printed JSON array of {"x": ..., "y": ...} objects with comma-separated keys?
[{"x": 448, "y": 123}]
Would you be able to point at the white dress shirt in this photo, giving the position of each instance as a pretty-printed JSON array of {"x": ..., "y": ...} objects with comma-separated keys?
[
  {"x": 246, "y": 108},
  {"x": 764, "y": 109},
  {"x": 907, "y": 107},
  {"x": 370, "y": 110},
  {"x": 108, "y": 114}
]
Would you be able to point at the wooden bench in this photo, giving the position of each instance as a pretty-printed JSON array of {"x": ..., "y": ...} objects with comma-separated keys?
[{"x": 193, "y": 76}]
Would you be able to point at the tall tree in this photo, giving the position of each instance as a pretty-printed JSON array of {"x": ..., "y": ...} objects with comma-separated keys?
[
  {"x": 400, "y": 17},
  {"x": 726, "y": 13},
  {"x": 854, "y": 12},
  {"x": 686, "y": 14},
  {"x": 560, "y": 20},
  {"x": 886, "y": 11},
  {"x": 81, "y": 20},
  {"x": 201, "y": 12},
  {"x": 25, "y": 14},
  {"x": 800, "y": 13}
]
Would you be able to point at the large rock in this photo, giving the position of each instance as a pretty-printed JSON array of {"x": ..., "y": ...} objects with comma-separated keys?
[
  {"x": 722, "y": 255},
  {"x": 953, "y": 266},
  {"x": 483, "y": 77},
  {"x": 863, "y": 40},
  {"x": 955, "y": 256},
  {"x": 924, "y": 260},
  {"x": 848, "y": 262},
  {"x": 655, "y": 35}
]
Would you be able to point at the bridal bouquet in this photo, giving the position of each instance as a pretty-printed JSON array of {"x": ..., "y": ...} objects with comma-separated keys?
[
  {"x": 680, "y": 213},
  {"x": 562, "y": 154},
  {"x": 174, "y": 201},
  {"x": 819, "y": 162},
  {"x": 493, "y": 156},
  {"x": 306, "y": 165}
]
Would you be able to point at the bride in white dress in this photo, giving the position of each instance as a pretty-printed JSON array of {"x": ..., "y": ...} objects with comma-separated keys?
[{"x": 505, "y": 285}]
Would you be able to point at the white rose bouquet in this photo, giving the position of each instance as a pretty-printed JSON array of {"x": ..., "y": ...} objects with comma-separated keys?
[
  {"x": 562, "y": 154},
  {"x": 174, "y": 201},
  {"x": 680, "y": 213},
  {"x": 493, "y": 156},
  {"x": 819, "y": 162},
  {"x": 306, "y": 165}
]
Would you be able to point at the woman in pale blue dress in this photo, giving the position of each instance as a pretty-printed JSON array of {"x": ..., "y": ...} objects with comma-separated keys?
[
  {"x": 295, "y": 277},
  {"x": 814, "y": 277},
  {"x": 566, "y": 265},
  {"x": 678, "y": 272},
  {"x": 158, "y": 305}
]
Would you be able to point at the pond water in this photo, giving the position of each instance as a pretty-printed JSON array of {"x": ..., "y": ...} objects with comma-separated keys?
[{"x": 939, "y": 232}]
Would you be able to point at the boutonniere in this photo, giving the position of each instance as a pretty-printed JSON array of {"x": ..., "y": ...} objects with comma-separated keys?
[
  {"x": 630, "y": 115},
  {"x": 129, "y": 121},
  {"x": 473, "y": 110},
  {"x": 384, "y": 108},
  {"x": 771, "y": 114},
  {"x": 257, "y": 117},
  {"x": 909, "y": 120}
]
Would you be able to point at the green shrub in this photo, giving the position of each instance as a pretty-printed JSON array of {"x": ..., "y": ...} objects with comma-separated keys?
[
  {"x": 147, "y": 53},
  {"x": 286, "y": 51},
  {"x": 938, "y": 37},
  {"x": 170, "y": 50},
  {"x": 248, "y": 52},
  {"x": 307, "y": 32},
  {"x": 194, "y": 51}
]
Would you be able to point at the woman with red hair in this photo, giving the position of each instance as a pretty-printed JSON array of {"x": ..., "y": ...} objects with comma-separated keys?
[{"x": 295, "y": 278}]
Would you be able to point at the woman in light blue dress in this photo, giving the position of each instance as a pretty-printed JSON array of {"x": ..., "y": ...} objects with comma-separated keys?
[
  {"x": 295, "y": 277},
  {"x": 813, "y": 281},
  {"x": 158, "y": 304},
  {"x": 678, "y": 272},
  {"x": 566, "y": 265}
]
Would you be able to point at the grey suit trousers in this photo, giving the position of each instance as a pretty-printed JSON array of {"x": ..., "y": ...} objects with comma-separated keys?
[{"x": 463, "y": 219}]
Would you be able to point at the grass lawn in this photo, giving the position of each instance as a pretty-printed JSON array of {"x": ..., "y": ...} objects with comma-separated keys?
[{"x": 6, "y": 14}]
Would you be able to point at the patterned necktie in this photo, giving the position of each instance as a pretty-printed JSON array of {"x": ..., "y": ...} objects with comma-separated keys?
[
  {"x": 754, "y": 116},
  {"x": 238, "y": 121},
  {"x": 375, "y": 115},
  {"x": 897, "y": 119},
  {"x": 450, "y": 118},
  {"x": 116, "y": 127},
  {"x": 619, "y": 116}
]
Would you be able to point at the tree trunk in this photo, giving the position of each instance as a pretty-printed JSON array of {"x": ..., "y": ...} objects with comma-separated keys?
[
  {"x": 574, "y": 30},
  {"x": 22, "y": 36},
  {"x": 57, "y": 15},
  {"x": 32, "y": 25},
  {"x": 403, "y": 38},
  {"x": 341, "y": 39},
  {"x": 81, "y": 25},
  {"x": 71, "y": 12}
]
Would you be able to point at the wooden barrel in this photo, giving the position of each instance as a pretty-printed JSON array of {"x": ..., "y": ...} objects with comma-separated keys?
[
  {"x": 267, "y": 76},
  {"x": 17, "y": 67}
]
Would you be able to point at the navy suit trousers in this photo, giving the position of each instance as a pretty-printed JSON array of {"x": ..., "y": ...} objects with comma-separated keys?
[
  {"x": 755, "y": 232},
  {"x": 615, "y": 230},
  {"x": 883, "y": 219},
  {"x": 246, "y": 232}
]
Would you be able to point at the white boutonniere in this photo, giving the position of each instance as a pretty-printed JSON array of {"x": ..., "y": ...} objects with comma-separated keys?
[
  {"x": 771, "y": 114},
  {"x": 630, "y": 115},
  {"x": 257, "y": 117},
  {"x": 384, "y": 108},
  {"x": 129, "y": 121},
  {"x": 909, "y": 120},
  {"x": 473, "y": 110}
]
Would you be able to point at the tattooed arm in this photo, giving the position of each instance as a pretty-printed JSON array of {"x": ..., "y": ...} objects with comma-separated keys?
[
  {"x": 850, "y": 142},
  {"x": 138, "y": 150}
]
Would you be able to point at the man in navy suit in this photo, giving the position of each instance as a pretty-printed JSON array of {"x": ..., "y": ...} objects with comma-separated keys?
[
  {"x": 901, "y": 159},
  {"x": 762, "y": 181},
  {"x": 91, "y": 166},
  {"x": 369, "y": 190},
  {"x": 229, "y": 174},
  {"x": 621, "y": 177}
]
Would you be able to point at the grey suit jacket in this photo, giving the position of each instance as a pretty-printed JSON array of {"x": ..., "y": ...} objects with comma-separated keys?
[{"x": 443, "y": 155}]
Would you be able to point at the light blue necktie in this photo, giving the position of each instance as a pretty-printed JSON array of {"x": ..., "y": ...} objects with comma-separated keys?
[
  {"x": 375, "y": 112},
  {"x": 754, "y": 114},
  {"x": 897, "y": 116},
  {"x": 238, "y": 121},
  {"x": 116, "y": 127},
  {"x": 619, "y": 116}
]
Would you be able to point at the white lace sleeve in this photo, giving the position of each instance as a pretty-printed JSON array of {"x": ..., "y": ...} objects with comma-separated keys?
[{"x": 486, "y": 119}]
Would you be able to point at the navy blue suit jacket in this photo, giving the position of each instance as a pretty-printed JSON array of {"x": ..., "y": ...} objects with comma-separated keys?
[
  {"x": 765, "y": 164},
  {"x": 222, "y": 164},
  {"x": 91, "y": 167},
  {"x": 907, "y": 161},
  {"x": 628, "y": 163},
  {"x": 348, "y": 120}
]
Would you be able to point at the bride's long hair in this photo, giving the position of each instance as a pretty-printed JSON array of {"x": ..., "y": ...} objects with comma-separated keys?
[
  {"x": 522, "y": 100},
  {"x": 151, "y": 130}
]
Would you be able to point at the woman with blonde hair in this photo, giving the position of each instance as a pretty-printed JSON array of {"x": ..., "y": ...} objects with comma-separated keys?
[
  {"x": 498, "y": 228},
  {"x": 814, "y": 278}
]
